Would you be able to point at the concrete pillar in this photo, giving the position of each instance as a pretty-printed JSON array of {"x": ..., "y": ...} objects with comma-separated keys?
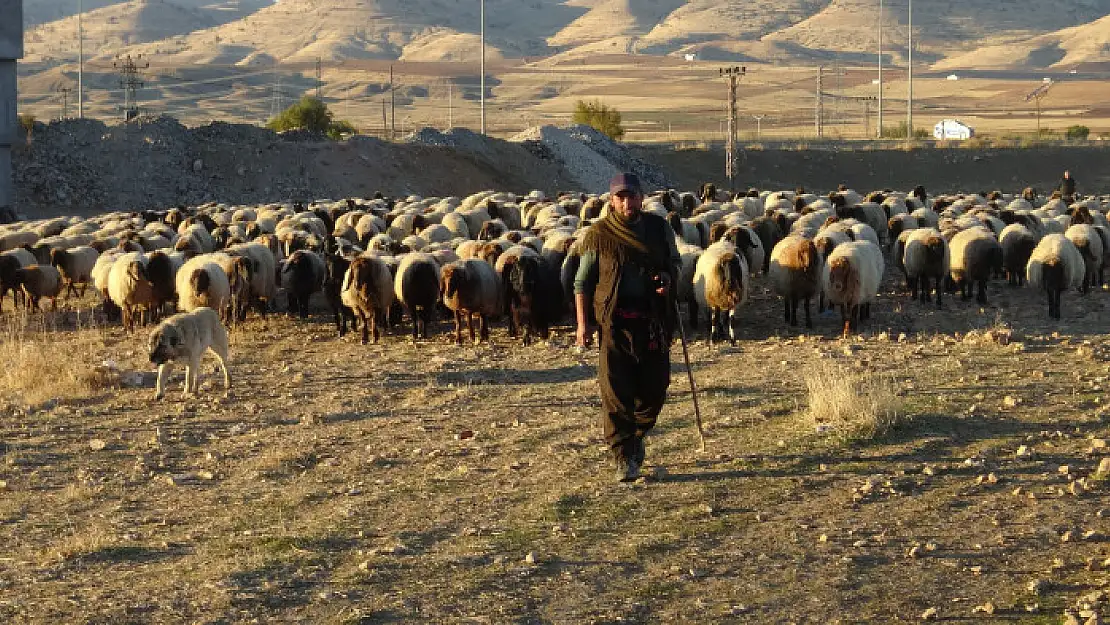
[{"x": 11, "y": 48}]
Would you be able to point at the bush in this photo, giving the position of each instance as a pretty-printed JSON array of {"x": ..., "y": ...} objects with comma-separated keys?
[
  {"x": 851, "y": 406},
  {"x": 310, "y": 114},
  {"x": 339, "y": 128},
  {"x": 1079, "y": 133},
  {"x": 599, "y": 116},
  {"x": 901, "y": 132}
]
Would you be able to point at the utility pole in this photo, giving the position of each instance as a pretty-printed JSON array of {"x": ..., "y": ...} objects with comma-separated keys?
[
  {"x": 130, "y": 83},
  {"x": 879, "y": 133},
  {"x": 758, "y": 125},
  {"x": 482, "y": 86},
  {"x": 80, "y": 65},
  {"x": 733, "y": 74},
  {"x": 385, "y": 122},
  {"x": 819, "y": 103},
  {"x": 275, "y": 94},
  {"x": 392, "y": 107},
  {"x": 909, "y": 70},
  {"x": 319, "y": 75},
  {"x": 450, "y": 105},
  {"x": 65, "y": 101}
]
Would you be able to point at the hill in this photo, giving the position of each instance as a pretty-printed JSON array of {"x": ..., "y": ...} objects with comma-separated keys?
[{"x": 1064, "y": 49}]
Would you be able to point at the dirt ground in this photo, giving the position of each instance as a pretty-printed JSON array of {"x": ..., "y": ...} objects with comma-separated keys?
[{"x": 341, "y": 483}]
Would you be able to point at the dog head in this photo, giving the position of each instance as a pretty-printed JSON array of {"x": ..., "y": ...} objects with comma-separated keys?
[{"x": 165, "y": 344}]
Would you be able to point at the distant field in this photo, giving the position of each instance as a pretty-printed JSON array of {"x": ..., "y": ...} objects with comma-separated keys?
[{"x": 661, "y": 98}]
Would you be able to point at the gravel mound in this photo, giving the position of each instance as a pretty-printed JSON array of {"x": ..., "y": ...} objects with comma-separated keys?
[{"x": 590, "y": 156}]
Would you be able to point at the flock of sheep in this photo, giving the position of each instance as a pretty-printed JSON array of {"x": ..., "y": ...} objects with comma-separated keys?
[{"x": 496, "y": 255}]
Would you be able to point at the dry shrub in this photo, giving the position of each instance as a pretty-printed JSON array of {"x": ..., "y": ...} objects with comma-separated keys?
[
  {"x": 39, "y": 362},
  {"x": 851, "y": 405}
]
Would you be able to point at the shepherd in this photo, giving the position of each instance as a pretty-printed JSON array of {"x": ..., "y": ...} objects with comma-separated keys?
[{"x": 623, "y": 285}]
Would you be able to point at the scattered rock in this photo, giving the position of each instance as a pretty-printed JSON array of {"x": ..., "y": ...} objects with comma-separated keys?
[
  {"x": 931, "y": 614},
  {"x": 97, "y": 444},
  {"x": 987, "y": 608}
]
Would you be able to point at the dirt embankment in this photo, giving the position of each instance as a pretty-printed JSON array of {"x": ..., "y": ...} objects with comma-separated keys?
[
  {"x": 939, "y": 169},
  {"x": 85, "y": 166}
]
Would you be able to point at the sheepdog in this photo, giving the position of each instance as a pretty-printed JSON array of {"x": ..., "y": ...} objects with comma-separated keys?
[{"x": 185, "y": 337}]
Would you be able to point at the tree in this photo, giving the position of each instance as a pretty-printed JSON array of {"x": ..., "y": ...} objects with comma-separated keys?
[
  {"x": 1077, "y": 132},
  {"x": 599, "y": 116},
  {"x": 310, "y": 114}
]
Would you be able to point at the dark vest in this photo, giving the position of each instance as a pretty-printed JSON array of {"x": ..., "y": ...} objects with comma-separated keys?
[{"x": 611, "y": 271}]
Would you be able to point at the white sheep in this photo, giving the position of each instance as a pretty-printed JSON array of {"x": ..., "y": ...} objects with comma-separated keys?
[
  {"x": 1089, "y": 243},
  {"x": 721, "y": 286},
  {"x": 976, "y": 255},
  {"x": 851, "y": 278},
  {"x": 1055, "y": 266},
  {"x": 128, "y": 286},
  {"x": 201, "y": 281},
  {"x": 926, "y": 255}
]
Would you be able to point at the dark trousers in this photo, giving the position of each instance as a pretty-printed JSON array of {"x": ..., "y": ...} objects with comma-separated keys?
[{"x": 634, "y": 373}]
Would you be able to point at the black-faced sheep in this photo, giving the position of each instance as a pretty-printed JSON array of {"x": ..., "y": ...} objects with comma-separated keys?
[
  {"x": 416, "y": 286},
  {"x": 12, "y": 261},
  {"x": 470, "y": 287},
  {"x": 926, "y": 256},
  {"x": 337, "y": 267},
  {"x": 303, "y": 274},
  {"x": 721, "y": 285},
  {"x": 368, "y": 290},
  {"x": 38, "y": 281},
  {"x": 851, "y": 278},
  {"x": 795, "y": 274},
  {"x": 976, "y": 255},
  {"x": 1055, "y": 266},
  {"x": 1017, "y": 243},
  {"x": 76, "y": 267}
]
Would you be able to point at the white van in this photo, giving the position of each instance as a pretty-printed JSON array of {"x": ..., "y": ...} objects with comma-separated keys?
[{"x": 952, "y": 129}]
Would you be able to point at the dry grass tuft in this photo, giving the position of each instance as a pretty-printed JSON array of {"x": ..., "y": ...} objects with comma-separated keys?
[
  {"x": 853, "y": 406},
  {"x": 40, "y": 362}
]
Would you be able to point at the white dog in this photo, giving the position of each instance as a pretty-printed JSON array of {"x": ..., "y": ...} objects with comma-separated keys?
[{"x": 185, "y": 337}]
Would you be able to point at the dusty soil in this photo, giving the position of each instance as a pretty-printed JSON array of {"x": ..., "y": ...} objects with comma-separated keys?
[{"x": 342, "y": 483}]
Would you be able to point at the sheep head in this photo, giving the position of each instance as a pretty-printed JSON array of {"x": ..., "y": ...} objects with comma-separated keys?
[
  {"x": 136, "y": 271},
  {"x": 842, "y": 276},
  {"x": 200, "y": 281},
  {"x": 453, "y": 279}
]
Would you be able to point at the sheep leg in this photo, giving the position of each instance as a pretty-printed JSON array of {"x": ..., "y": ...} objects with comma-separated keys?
[
  {"x": 190, "y": 372},
  {"x": 426, "y": 316},
  {"x": 786, "y": 301},
  {"x": 483, "y": 325},
  {"x": 912, "y": 283},
  {"x": 127, "y": 317},
  {"x": 458, "y": 327},
  {"x": 732, "y": 325},
  {"x": 846, "y": 316},
  {"x": 938, "y": 289},
  {"x": 84, "y": 287},
  {"x": 374, "y": 321},
  {"x": 365, "y": 328},
  {"x": 514, "y": 320},
  {"x": 982, "y": 297}
]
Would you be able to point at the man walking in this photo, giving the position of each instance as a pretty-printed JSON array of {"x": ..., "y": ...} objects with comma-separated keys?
[{"x": 623, "y": 283}]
